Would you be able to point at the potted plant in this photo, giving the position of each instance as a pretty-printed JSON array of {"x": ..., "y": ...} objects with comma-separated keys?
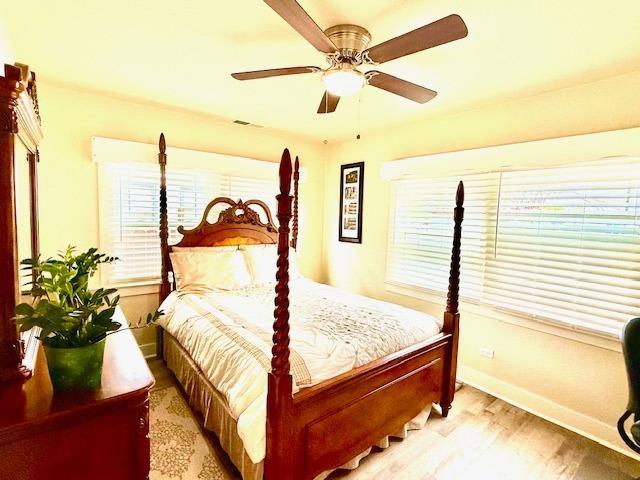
[{"x": 75, "y": 320}]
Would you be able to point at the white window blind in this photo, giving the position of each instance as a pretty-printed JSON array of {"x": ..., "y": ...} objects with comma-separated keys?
[
  {"x": 246, "y": 188},
  {"x": 130, "y": 212},
  {"x": 422, "y": 232},
  {"x": 559, "y": 245}
]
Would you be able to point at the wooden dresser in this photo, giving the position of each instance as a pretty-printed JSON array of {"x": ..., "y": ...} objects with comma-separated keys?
[{"x": 94, "y": 435}]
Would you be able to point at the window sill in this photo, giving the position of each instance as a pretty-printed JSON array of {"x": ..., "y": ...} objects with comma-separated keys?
[
  {"x": 512, "y": 318},
  {"x": 136, "y": 289}
]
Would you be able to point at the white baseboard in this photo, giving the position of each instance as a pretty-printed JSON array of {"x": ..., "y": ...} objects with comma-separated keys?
[
  {"x": 148, "y": 350},
  {"x": 562, "y": 416}
]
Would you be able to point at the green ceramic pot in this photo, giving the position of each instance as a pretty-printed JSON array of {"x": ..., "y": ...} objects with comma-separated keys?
[{"x": 75, "y": 368}]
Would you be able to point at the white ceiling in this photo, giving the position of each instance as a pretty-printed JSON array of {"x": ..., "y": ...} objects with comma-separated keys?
[{"x": 181, "y": 53}]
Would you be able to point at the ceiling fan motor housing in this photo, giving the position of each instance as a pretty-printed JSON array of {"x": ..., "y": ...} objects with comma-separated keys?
[{"x": 351, "y": 41}]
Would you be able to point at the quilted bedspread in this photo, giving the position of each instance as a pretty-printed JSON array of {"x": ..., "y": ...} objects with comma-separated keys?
[{"x": 228, "y": 335}]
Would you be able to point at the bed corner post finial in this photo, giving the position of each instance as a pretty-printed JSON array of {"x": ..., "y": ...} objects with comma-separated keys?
[
  {"x": 451, "y": 324},
  {"x": 162, "y": 145},
  {"x": 296, "y": 180},
  {"x": 280, "y": 388},
  {"x": 165, "y": 287},
  {"x": 460, "y": 195},
  {"x": 285, "y": 173},
  {"x": 454, "y": 272}
]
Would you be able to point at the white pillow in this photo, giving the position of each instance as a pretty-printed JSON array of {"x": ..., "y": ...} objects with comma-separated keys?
[
  {"x": 204, "y": 270},
  {"x": 223, "y": 248},
  {"x": 261, "y": 262}
]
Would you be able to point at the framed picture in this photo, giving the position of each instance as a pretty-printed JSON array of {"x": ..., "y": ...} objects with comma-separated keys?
[{"x": 351, "y": 195}]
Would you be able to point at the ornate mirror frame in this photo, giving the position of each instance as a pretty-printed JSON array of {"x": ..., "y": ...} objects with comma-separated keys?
[{"x": 19, "y": 121}]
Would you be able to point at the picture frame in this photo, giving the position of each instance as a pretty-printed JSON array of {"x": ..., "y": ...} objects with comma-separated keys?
[{"x": 351, "y": 202}]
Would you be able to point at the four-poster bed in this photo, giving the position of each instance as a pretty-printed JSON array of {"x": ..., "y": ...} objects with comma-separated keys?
[{"x": 364, "y": 404}]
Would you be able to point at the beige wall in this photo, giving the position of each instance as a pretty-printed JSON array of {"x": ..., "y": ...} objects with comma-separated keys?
[
  {"x": 575, "y": 383},
  {"x": 68, "y": 177}
]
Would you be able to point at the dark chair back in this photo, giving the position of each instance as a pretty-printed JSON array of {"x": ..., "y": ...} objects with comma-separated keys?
[{"x": 631, "y": 351}]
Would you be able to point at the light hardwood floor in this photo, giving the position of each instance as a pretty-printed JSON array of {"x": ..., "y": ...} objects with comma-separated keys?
[{"x": 483, "y": 438}]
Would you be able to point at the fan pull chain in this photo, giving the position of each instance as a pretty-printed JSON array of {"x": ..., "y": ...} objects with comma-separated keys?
[{"x": 358, "y": 123}]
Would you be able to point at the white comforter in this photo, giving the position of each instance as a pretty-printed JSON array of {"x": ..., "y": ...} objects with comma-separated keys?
[{"x": 228, "y": 335}]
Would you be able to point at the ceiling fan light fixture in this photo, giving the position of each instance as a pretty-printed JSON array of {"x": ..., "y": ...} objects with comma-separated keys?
[
  {"x": 346, "y": 47},
  {"x": 343, "y": 81}
]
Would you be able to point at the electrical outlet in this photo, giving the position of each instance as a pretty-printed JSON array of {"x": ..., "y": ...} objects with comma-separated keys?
[{"x": 487, "y": 352}]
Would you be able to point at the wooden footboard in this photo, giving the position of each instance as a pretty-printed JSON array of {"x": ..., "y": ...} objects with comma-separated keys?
[{"x": 340, "y": 418}]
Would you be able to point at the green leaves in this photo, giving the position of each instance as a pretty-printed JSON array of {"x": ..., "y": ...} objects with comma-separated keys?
[
  {"x": 152, "y": 317},
  {"x": 24, "y": 309},
  {"x": 103, "y": 319},
  {"x": 69, "y": 314}
]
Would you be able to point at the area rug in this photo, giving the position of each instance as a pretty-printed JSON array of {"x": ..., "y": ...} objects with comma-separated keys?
[{"x": 179, "y": 451}]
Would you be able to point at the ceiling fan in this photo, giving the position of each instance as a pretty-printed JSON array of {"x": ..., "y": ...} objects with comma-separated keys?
[{"x": 346, "y": 49}]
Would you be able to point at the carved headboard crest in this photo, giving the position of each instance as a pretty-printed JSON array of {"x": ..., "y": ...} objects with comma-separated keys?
[{"x": 238, "y": 213}]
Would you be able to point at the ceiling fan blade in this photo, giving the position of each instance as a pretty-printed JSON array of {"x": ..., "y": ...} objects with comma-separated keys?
[
  {"x": 329, "y": 103},
  {"x": 441, "y": 31},
  {"x": 274, "y": 72},
  {"x": 292, "y": 13},
  {"x": 400, "y": 87}
]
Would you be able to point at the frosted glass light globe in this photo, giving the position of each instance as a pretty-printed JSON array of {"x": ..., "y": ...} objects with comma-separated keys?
[{"x": 343, "y": 81}]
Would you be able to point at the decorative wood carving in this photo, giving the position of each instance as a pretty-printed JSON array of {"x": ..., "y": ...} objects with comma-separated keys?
[
  {"x": 20, "y": 111},
  {"x": 165, "y": 287},
  {"x": 238, "y": 220},
  {"x": 454, "y": 271},
  {"x": 280, "y": 350},
  {"x": 32, "y": 90},
  {"x": 280, "y": 387},
  {"x": 19, "y": 118},
  {"x": 451, "y": 322},
  {"x": 296, "y": 181},
  {"x": 238, "y": 213}
]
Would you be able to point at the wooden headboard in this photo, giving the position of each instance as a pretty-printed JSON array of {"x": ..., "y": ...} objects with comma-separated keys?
[{"x": 237, "y": 224}]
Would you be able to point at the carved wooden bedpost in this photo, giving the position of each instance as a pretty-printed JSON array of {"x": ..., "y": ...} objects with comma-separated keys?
[
  {"x": 451, "y": 323},
  {"x": 296, "y": 180},
  {"x": 165, "y": 286},
  {"x": 279, "y": 397}
]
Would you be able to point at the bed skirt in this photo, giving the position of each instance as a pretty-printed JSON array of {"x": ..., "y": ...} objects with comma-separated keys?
[{"x": 204, "y": 398}]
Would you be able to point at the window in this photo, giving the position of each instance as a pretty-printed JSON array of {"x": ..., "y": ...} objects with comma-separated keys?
[
  {"x": 129, "y": 211},
  {"x": 560, "y": 245}
]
